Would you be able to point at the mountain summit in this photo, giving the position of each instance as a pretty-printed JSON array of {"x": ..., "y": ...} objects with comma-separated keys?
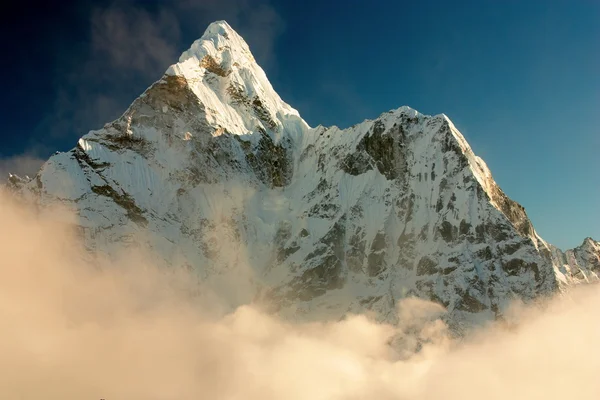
[{"x": 211, "y": 169}]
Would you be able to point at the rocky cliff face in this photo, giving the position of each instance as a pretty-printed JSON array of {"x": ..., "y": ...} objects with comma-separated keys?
[
  {"x": 578, "y": 265},
  {"x": 209, "y": 168}
]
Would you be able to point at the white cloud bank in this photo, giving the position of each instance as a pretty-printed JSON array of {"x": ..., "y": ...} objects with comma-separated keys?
[{"x": 130, "y": 331}]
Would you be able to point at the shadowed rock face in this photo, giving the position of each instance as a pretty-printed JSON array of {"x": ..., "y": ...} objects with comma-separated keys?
[
  {"x": 270, "y": 162},
  {"x": 210, "y": 169},
  {"x": 376, "y": 150}
]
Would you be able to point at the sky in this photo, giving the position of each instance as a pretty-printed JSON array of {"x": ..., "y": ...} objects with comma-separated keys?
[{"x": 519, "y": 79}]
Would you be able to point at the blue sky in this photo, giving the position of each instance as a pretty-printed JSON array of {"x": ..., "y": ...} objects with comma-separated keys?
[{"x": 520, "y": 79}]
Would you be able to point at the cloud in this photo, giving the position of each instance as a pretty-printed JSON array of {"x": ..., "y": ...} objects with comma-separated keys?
[
  {"x": 74, "y": 329},
  {"x": 22, "y": 164},
  {"x": 132, "y": 39}
]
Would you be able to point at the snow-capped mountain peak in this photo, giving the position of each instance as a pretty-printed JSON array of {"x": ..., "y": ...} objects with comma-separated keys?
[
  {"x": 238, "y": 98},
  {"x": 211, "y": 169}
]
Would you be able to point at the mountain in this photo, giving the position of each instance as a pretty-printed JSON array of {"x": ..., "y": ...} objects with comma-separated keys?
[{"x": 211, "y": 169}]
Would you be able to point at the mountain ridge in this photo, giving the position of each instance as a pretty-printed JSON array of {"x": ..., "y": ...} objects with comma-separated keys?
[{"x": 216, "y": 170}]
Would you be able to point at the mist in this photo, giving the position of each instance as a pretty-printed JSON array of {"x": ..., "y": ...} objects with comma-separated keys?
[{"x": 77, "y": 329}]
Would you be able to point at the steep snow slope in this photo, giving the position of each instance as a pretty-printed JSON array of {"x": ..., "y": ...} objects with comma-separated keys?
[{"x": 209, "y": 168}]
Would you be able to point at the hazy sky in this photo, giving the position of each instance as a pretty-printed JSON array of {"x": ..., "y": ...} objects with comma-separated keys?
[{"x": 520, "y": 79}]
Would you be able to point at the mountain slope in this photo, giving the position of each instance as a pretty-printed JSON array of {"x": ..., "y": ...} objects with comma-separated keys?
[{"x": 209, "y": 168}]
